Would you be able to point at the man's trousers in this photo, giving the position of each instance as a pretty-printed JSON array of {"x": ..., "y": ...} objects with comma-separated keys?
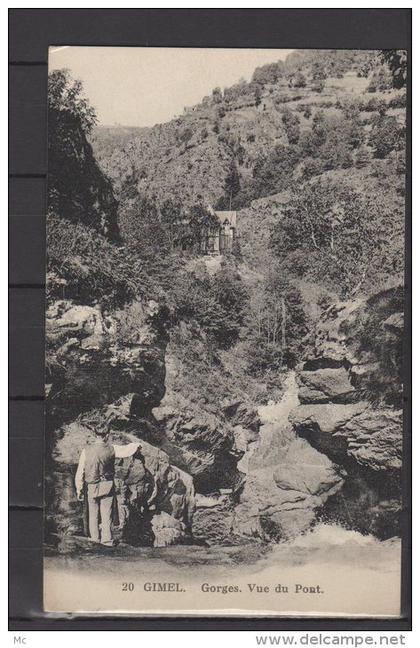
[{"x": 100, "y": 497}]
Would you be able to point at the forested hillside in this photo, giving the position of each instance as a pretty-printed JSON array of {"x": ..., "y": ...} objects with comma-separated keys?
[{"x": 311, "y": 155}]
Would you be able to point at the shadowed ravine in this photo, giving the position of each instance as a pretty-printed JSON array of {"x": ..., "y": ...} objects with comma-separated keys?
[{"x": 226, "y": 291}]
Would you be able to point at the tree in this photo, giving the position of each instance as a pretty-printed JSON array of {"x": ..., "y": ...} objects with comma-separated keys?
[
  {"x": 320, "y": 128},
  {"x": 65, "y": 95},
  {"x": 217, "y": 95},
  {"x": 236, "y": 91},
  {"x": 277, "y": 324},
  {"x": 340, "y": 236},
  {"x": 184, "y": 136},
  {"x": 171, "y": 219},
  {"x": 273, "y": 170},
  {"x": 217, "y": 304},
  {"x": 297, "y": 80},
  {"x": 318, "y": 72},
  {"x": 140, "y": 226},
  {"x": 380, "y": 81},
  {"x": 386, "y": 136},
  {"x": 292, "y": 126},
  {"x": 362, "y": 158},
  {"x": 268, "y": 74},
  {"x": 232, "y": 297},
  {"x": 199, "y": 220},
  {"x": 307, "y": 112},
  {"x": 396, "y": 60},
  {"x": 77, "y": 188},
  {"x": 318, "y": 86},
  {"x": 318, "y": 77},
  {"x": 376, "y": 104},
  {"x": 231, "y": 187}
]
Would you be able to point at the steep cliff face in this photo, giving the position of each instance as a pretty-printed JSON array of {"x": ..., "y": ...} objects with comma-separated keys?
[
  {"x": 351, "y": 408},
  {"x": 90, "y": 364},
  {"x": 204, "y": 438},
  {"x": 110, "y": 366}
]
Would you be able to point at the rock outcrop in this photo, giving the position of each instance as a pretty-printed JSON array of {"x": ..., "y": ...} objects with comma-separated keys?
[
  {"x": 223, "y": 474},
  {"x": 372, "y": 437},
  {"x": 363, "y": 337},
  {"x": 206, "y": 439},
  {"x": 325, "y": 385},
  {"x": 285, "y": 482},
  {"x": 166, "y": 520},
  {"x": 350, "y": 400},
  {"x": 110, "y": 365},
  {"x": 198, "y": 441},
  {"x": 90, "y": 364}
]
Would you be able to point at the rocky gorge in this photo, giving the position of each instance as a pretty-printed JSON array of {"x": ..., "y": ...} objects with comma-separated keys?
[
  {"x": 246, "y": 473},
  {"x": 264, "y": 384}
]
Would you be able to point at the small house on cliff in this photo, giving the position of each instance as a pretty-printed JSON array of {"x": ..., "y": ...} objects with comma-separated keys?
[{"x": 219, "y": 238}]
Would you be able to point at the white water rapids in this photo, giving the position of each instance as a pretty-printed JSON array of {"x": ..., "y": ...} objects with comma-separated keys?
[{"x": 353, "y": 574}]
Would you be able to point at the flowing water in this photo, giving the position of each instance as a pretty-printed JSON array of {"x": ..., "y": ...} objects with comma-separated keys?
[
  {"x": 352, "y": 574},
  {"x": 275, "y": 423}
]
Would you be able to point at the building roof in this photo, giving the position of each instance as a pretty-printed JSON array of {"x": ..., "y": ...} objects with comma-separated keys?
[{"x": 227, "y": 215}]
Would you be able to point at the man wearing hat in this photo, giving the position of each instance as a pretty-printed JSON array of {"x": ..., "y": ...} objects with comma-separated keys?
[{"x": 95, "y": 477}]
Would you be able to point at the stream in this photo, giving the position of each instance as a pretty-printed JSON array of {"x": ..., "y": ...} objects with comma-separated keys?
[{"x": 353, "y": 572}]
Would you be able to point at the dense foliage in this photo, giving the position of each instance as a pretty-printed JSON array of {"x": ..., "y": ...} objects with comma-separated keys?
[
  {"x": 311, "y": 153},
  {"x": 338, "y": 236},
  {"x": 77, "y": 187}
]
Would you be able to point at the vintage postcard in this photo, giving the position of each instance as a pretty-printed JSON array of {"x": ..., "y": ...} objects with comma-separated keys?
[{"x": 224, "y": 325}]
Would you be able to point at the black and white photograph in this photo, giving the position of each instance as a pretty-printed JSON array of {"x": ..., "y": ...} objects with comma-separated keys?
[{"x": 224, "y": 331}]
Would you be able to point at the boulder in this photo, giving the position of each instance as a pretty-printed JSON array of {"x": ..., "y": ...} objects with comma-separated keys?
[
  {"x": 374, "y": 439},
  {"x": 167, "y": 530},
  {"x": 306, "y": 471},
  {"x": 197, "y": 441},
  {"x": 282, "y": 502},
  {"x": 371, "y": 437},
  {"x": 90, "y": 364},
  {"x": 325, "y": 385},
  {"x": 154, "y": 478},
  {"x": 326, "y": 417}
]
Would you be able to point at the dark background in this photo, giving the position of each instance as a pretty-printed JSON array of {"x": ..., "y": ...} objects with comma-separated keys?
[{"x": 31, "y": 32}]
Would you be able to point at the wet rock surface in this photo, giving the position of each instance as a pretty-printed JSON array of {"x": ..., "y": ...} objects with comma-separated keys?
[{"x": 286, "y": 481}]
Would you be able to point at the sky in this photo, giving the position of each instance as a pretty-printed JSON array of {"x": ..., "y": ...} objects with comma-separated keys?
[{"x": 143, "y": 86}]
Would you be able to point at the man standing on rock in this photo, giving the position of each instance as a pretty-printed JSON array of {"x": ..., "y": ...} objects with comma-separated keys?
[{"x": 95, "y": 480}]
